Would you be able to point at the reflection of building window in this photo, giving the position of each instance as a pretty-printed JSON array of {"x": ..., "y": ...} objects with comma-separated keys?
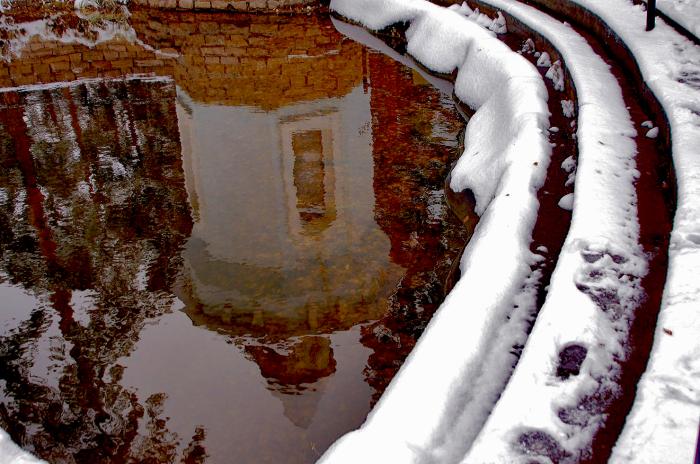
[
  {"x": 308, "y": 149},
  {"x": 308, "y": 175}
]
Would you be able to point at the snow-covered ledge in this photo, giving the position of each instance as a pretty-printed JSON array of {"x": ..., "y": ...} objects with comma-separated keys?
[{"x": 443, "y": 393}]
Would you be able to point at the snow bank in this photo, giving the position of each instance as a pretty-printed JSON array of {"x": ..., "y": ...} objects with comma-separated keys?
[
  {"x": 13, "y": 454},
  {"x": 447, "y": 386},
  {"x": 555, "y": 400},
  {"x": 663, "y": 424}
]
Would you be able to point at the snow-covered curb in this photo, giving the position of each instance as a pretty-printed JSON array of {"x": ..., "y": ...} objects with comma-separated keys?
[
  {"x": 10, "y": 453},
  {"x": 663, "y": 424},
  {"x": 546, "y": 410},
  {"x": 424, "y": 413}
]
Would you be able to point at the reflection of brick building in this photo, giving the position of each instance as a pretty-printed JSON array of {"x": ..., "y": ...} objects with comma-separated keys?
[{"x": 285, "y": 244}]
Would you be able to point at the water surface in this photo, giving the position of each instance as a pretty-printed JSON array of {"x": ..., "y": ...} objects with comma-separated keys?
[{"x": 226, "y": 261}]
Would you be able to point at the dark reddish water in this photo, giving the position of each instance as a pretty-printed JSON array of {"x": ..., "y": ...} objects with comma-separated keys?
[{"x": 225, "y": 263}]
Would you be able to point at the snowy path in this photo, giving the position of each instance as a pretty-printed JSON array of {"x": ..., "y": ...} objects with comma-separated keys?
[{"x": 663, "y": 424}]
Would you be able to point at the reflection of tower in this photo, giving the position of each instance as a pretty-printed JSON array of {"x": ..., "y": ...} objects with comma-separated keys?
[
  {"x": 285, "y": 246},
  {"x": 280, "y": 215}
]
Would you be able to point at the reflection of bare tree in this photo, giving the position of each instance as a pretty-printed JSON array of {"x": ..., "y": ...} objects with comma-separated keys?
[{"x": 94, "y": 203}]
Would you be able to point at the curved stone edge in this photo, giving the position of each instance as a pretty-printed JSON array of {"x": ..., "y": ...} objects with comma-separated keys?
[{"x": 504, "y": 163}]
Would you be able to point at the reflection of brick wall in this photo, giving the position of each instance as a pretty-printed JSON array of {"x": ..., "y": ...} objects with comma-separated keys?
[
  {"x": 265, "y": 61},
  {"x": 48, "y": 62},
  {"x": 230, "y": 5},
  {"x": 259, "y": 60}
]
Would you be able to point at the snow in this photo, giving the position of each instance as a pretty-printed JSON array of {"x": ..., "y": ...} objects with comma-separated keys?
[
  {"x": 567, "y": 202},
  {"x": 445, "y": 404},
  {"x": 528, "y": 46},
  {"x": 684, "y": 12},
  {"x": 424, "y": 414},
  {"x": 556, "y": 74},
  {"x": 10, "y": 453},
  {"x": 543, "y": 60},
  {"x": 568, "y": 108},
  {"x": 663, "y": 424},
  {"x": 376, "y": 15},
  {"x": 569, "y": 166},
  {"x": 85, "y": 81},
  {"x": 601, "y": 258},
  {"x": 497, "y": 25},
  {"x": 79, "y": 4}
]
